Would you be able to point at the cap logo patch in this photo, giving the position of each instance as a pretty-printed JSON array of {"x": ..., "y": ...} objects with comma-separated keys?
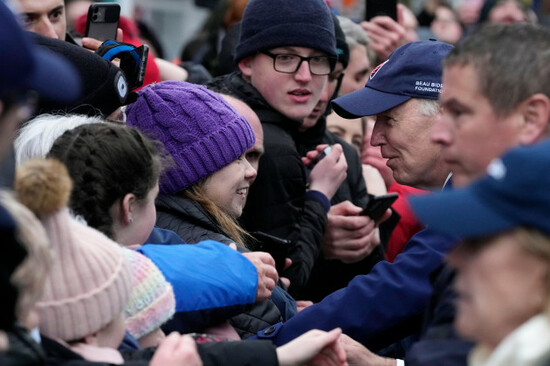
[
  {"x": 122, "y": 87},
  {"x": 376, "y": 69},
  {"x": 497, "y": 169}
]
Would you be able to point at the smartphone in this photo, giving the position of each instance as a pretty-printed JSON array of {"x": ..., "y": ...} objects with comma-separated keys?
[
  {"x": 381, "y": 7},
  {"x": 319, "y": 157},
  {"x": 378, "y": 205},
  {"x": 277, "y": 247},
  {"x": 102, "y": 22}
]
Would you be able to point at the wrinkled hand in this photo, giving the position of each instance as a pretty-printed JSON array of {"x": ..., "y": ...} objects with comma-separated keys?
[
  {"x": 267, "y": 274},
  {"x": 349, "y": 237},
  {"x": 359, "y": 355},
  {"x": 386, "y": 34},
  {"x": 315, "y": 347},
  {"x": 330, "y": 172},
  {"x": 176, "y": 350}
]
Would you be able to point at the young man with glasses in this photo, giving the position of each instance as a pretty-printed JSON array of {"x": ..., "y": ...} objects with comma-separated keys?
[{"x": 285, "y": 54}]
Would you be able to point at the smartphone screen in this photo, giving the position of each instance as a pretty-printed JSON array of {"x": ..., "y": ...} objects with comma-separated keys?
[
  {"x": 378, "y": 205},
  {"x": 381, "y": 7},
  {"x": 102, "y": 21}
]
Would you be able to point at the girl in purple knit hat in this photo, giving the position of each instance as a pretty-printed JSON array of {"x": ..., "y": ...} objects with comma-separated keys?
[{"x": 205, "y": 190}]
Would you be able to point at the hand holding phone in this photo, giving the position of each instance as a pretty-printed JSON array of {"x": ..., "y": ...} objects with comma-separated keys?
[
  {"x": 378, "y": 205},
  {"x": 277, "y": 247},
  {"x": 319, "y": 157}
]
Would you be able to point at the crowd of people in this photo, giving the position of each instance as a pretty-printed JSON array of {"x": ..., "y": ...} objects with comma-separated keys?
[{"x": 213, "y": 210}]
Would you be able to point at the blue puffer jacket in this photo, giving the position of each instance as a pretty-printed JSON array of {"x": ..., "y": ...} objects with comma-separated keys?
[{"x": 204, "y": 297}]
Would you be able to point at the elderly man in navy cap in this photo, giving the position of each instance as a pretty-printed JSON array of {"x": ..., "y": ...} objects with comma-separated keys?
[{"x": 402, "y": 94}]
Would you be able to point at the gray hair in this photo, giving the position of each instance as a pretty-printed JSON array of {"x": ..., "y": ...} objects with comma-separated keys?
[
  {"x": 428, "y": 107},
  {"x": 35, "y": 139},
  {"x": 354, "y": 33}
]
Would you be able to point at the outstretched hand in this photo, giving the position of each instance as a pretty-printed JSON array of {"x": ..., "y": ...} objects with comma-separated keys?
[{"x": 315, "y": 347}]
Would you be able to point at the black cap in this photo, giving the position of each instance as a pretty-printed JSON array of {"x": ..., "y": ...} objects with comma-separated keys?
[{"x": 104, "y": 85}]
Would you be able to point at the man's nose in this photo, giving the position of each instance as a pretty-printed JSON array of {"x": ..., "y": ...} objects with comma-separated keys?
[
  {"x": 303, "y": 73},
  {"x": 47, "y": 29}
]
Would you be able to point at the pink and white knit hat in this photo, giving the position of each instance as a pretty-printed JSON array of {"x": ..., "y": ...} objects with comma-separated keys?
[
  {"x": 152, "y": 300},
  {"x": 89, "y": 283}
]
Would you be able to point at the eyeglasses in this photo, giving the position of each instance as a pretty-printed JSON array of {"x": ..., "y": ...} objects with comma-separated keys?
[{"x": 288, "y": 63}]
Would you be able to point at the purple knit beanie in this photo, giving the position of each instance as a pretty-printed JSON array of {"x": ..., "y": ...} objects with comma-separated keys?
[{"x": 197, "y": 127}]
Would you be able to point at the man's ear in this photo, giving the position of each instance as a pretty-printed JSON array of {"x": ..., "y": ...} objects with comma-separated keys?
[
  {"x": 127, "y": 206},
  {"x": 536, "y": 114},
  {"x": 245, "y": 65}
]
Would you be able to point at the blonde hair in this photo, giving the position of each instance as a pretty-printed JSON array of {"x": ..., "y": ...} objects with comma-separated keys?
[
  {"x": 231, "y": 227},
  {"x": 31, "y": 275},
  {"x": 536, "y": 243}
]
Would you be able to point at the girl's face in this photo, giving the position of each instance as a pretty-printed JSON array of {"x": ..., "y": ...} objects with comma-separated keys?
[
  {"x": 144, "y": 216},
  {"x": 228, "y": 187},
  {"x": 499, "y": 286}
]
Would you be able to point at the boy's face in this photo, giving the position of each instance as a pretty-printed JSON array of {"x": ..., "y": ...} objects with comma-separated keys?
[{"x": 294, "y": 95}]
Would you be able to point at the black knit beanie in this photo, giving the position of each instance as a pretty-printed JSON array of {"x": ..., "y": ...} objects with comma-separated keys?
[{"x": 268, "y": 24}]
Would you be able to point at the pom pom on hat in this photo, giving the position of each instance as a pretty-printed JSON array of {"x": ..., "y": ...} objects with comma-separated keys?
[
  {"x": 89, "y": 283},
  {"x": 43, "y": 186},
  {"x": 198, "y": 128},
  {"x": 152, "y": 300}
]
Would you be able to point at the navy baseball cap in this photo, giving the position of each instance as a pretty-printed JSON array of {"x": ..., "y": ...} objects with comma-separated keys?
[
  {"x": 412, "y": 71},
  {"x": 514, "y": 193},
  {"x": 23, "y": 66}
]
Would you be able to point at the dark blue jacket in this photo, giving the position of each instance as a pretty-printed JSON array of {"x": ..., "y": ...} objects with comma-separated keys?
[
  {"x": 380, "y": 308},
  {"x": 439, "y": 344}
]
